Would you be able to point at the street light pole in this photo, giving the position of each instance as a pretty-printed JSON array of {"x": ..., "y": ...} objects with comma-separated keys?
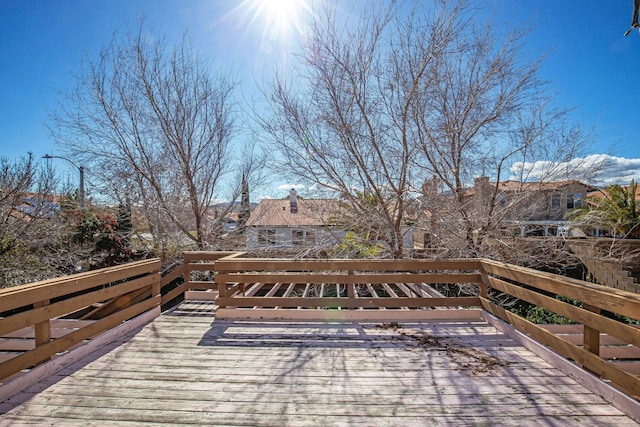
[{"x": 81, "y": 170}]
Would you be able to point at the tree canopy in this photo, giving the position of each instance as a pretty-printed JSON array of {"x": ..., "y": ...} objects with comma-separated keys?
[
  {"x": 405, "y": 95},
  {"x": 154, "y": 121}
]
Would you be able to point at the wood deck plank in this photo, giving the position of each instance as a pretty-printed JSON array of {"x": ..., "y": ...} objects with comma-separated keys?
[{"x": 187, "y": 368}]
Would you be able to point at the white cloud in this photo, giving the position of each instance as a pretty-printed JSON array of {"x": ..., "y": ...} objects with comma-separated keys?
[
  {"x": 318, "y": 190},
  {"x": 219, "y": 201},
  {"x": 595, "y": 169}
]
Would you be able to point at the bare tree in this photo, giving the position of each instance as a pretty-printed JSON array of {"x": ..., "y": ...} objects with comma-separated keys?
[
  {"x": 408, "y": 93},
  {"x": 345, "y": 123},
  {"x": 488, "y": 110},
  {"x": 154, "y": 121},
  {"x": 25, "y": 199}
]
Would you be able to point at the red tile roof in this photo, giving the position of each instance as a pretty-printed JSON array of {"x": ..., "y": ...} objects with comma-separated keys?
[{"x": 601, "y": 194}]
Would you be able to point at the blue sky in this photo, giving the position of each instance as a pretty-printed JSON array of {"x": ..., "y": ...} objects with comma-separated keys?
[{"x": 590, "y": 65}]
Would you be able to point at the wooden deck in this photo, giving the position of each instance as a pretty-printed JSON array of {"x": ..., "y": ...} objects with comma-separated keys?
[{"x": 187, "y": 368}]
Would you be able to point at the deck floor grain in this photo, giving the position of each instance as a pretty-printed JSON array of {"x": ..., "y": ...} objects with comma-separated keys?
[{"x": 187, "y": 368}]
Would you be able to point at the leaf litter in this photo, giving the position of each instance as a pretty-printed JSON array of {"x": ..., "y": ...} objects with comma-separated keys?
[{"x": 470, "y": 360}]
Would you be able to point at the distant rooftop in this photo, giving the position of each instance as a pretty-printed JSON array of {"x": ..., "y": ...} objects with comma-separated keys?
[
  {"x": 277, "y": 213},
  {"x": 517, "y": 186}
]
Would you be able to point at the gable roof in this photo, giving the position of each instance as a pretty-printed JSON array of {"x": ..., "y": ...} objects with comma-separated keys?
[{"x": 277, "y": 213}]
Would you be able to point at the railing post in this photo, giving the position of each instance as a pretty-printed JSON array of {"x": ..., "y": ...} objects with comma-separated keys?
[
  {"x": 591, "y": 336},
  {"x": 187, "y": 271},
  {"x": 156, "y": 288},
  {"x": 483, "y": 288},
  {"x": 42, "y": 330},
  {"x": 222, "y": 288}
]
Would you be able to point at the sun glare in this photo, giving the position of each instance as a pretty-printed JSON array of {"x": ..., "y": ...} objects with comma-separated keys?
[{"x": 278, "y": 19}]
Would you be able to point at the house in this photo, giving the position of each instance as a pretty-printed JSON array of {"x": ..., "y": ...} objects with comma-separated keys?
[
  {"x": 294, "y": 223},
  {"x": 604, "y": 193},
  {"x": 521, "y": 209},
  {"x": 36, "y": 206},
  {"x": 531, "y": 208}
]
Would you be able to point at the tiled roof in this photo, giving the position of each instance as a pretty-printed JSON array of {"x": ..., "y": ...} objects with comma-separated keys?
[
  {"x": 544, "y": 186},
  {"x": 277, "y": 213},
  {"x": 601, "y": 194},
  {"x": 517, "y": 186}
]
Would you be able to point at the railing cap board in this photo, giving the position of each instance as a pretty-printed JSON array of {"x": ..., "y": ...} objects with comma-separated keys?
[
  {"x": 627, "y": 333},
  {"x": 209, "y": 255},
  {"x": 99, "y": 272},
  {"x": 345, "y": 264},
  {"x": 604, "y": 297},
  {"x": 70, "y": 305}
]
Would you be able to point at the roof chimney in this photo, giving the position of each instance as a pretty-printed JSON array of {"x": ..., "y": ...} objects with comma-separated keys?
[
  {"x": 293, "y": 200},
  {"x": 482, "y": 192}
]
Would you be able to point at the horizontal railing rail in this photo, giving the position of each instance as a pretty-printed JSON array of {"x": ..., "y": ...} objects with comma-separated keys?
[
  {"x": 594, "y": 306},
  {"x": 340, "y": 283},
  {"x": 30, "y": 314}
]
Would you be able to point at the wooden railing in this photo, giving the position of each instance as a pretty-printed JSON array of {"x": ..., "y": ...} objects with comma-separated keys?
[
  {"x": 401, "y": 288},
  {"x": 41, "y": 319},
  {"x": 599, "y": 305},
  {"x": 341, "y": 284}
]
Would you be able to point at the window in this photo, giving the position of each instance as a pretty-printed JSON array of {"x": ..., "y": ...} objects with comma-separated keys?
[
  {"x": 297, "y": 237},
  {"x": 574, "y": 200},
  {"x": 555, "y": 201},
  {"x": 267, "y": 236},
  {"x": 577, "y": 200},
  {"x": 303, "y": 237},
  {"x": 310, "y": 238},
  {"x": 426, "y": 240}
]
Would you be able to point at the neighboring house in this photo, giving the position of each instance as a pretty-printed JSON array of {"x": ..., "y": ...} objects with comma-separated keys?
[
  {"x": 532, "y": 208},
  {"x": 294, "y": 223},
  {"x": 604, "y": 193},
  {"x": 225, "y": 215},
  {"x": 520, "y": 208}
]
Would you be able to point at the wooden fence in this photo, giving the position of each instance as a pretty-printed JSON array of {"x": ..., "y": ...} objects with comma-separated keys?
[
  {"x": 194, "y": 261},
  {"x": 400, "y": 289}
]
